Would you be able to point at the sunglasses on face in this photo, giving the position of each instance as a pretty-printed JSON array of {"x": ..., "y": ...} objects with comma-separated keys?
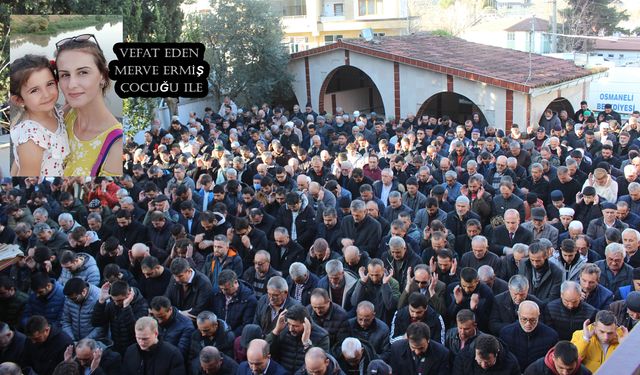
[{"x": 79, "y": 39}]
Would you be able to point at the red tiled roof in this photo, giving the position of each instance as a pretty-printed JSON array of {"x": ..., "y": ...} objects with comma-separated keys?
[
  {"x": 621, "y": 44},
  {"x": 525, "y": 25},
  {"x": 473, "y": 61}
]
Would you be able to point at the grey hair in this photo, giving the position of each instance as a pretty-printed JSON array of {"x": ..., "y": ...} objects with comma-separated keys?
[
  {"x": 231, "y": 172},
  {"x": 591, "y": 268},
  {"x": 65, "y": 216},
  {"x": 514, "y": 145},
  {"x": 333, "y": 267},
  {"x": 480, "y": 239},
  {"x": 395, "y": 194},
  {"x": 634, "y": 186},
  {"x": 95, "y": 216},
  {"x": 521, "y": 248},
  {"x": 451, "y": 174},
  {"x": 281, "y": 230},
  {"x": 278, "y": 283},
  {"x": 297, "y": 269},
  {"x": 209, "y": 354},
  {"x": 207, "y": 316},
  {"x": 10, "y": 368},
  {"x": 396, "y": 241},
  {"x": 477, "y": 178},
  {"x": 570, "y": 161},
  {"x": 263, "y": 253},
  {"x": 576, "y": 225},
  {"x": 536, "y": 166},
  {"x": 614, "y": 248},
  {"x": 366, "y": 305},
  {"x": 358, "y": 205},
  {"x": 462, "y": 199},
  {"x": 486, "y": 272},
  {"x": 472, "y": 163},
  {"x": 121, "y": 193},
  {"x": 87, "y": 343},
  {"x": 41, "y": 211},
  {"x": 350, "y": 347},
  {"x": 126, "y": 200},
  {"x": 518, "y": 283},
  {"x": 570, "y": 285},
  {"x": 631, "y": 230}
]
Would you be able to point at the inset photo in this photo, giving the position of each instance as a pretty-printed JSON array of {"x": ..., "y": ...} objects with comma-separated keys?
[{"x": 66, "y": 119}]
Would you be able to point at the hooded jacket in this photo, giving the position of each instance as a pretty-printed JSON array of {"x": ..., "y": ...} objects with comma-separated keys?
[
  {"x": 50, "y": 307},
  {"x": 545, "y": 366},
  {"x": 76, "y": 318},
  {"x": 88, "y": 271},
  {"x": 591, "y": 351}
]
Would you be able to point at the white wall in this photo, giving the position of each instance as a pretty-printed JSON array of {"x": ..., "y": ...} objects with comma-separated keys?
[
  {"x": 489, "y": 99},
  {"x": 540, "y": 102},
  {"x": 418, "y": 85},
  {"x": 381, "y": 73}
]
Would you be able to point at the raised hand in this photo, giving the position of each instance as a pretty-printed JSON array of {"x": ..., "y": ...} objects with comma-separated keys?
[
  {"x": 363, "y": 275},
  {"x": 454, "y": 267},
  {"x": 281, "y": 323},
  {"x": 475, "y": 300},
  {"x": 433, "y": 283},
  {"x": 587, "y": 331},
  {"x": 386, "y": 278},
  {"x": 104, "y": 292},
  {"x": 306, "y": 334},
  {"x": 95, "y": 362},
  {"x": 457, "y": 294},
  {"x": 127, "y": 301},
  {"x": 409, "y": 279},
  {"x": 68, "y": 354}
]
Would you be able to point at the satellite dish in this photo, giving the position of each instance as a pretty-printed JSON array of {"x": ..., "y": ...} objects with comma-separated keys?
[{"x": 367, "y": 34}]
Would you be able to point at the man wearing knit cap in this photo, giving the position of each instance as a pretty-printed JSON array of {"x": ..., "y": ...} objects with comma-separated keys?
[
  {"x": 586, "y": 206},
  {"x": 556, "y": 198},
  {"x": 566, "y": 215}
]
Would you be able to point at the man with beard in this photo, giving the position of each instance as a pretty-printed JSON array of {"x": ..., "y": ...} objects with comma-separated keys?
[
  {"x": 293, "y": 335},
  {"x": 45, "y": 345},
  {"x": 364, "y": 230},
  {"x": 418, "y": 310}
]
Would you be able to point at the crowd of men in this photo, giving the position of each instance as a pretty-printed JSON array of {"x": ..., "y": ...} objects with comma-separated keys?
[{"x": 271, "y": 241}]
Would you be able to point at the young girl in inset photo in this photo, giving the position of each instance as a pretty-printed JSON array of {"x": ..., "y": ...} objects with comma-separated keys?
[{"x": 39, "y": 136}]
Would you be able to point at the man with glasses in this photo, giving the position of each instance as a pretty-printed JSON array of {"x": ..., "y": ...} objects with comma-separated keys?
[
  {"x": 528, "y": 338},
  {"x": 271, "y": 304},
  {"x": 505, "y": 308},
  {"x": 258, "y": 275},
  {"x": 615, "y": 272}
]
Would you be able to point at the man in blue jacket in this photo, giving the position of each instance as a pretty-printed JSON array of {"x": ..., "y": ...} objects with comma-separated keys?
[
  {"x": 528, "y": 339},
  {"x": 235, "y": 302},
  {"x": 174, "y": 328},
  {"x": 81, "y": 298},
  {"x": 47, "y": 299}
]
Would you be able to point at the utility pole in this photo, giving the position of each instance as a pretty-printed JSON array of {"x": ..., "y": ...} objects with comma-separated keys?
[{"x": 554, "y": 27}]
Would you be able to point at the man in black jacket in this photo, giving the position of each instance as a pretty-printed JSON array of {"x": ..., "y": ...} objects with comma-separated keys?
[
  {"x": 234, "y": 302},
  {"x": 45, "y": 345},
  {"x": 150, "y": 356},
  {"x": 129, "y": 231},
  {"x": 328, "y": 315},
  {"x": 418, "y": 310},
  {"x": 284, "y": 251},
  {"x": 212, "y": 362},
  {"x": 418, "y": 354},
  {"x": 86, "y": 351},
  {"x": 120, "y": 313},
  {"x": 507, "y": 235},
  {"x": 562, "y": 357},
  {"x": 190, "y": 291},
  {"x": 365, "y": 326},
  {"x": 364, "y": 230},
  {"x": 486, "y": 355},
  {"x": 505, "y": 308},
  {"x": 293, "y": 335},
  {"x": 544, "y": 277},
  {"x": 299, "y": 219},
  {"x": 567, "y": 313},
  {"x": 471, "y": 294},
  {"x": 211, "y": 332}
]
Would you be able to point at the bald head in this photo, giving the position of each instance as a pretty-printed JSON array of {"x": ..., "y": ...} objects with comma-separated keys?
[
  {"x": 314, "y": 188},
  {"x": 529, "y": 307},
  {"x": 316, "y": 361},
  {"x": 257, "y": 349},
  {"x": 139, "y": 250},
  {"x": 528, "y": 315}
]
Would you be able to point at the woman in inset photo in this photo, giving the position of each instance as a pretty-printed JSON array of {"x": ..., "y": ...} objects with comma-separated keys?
[
  {"x": 95, "y": 135},
  {"x": 38, "y": 133}
]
